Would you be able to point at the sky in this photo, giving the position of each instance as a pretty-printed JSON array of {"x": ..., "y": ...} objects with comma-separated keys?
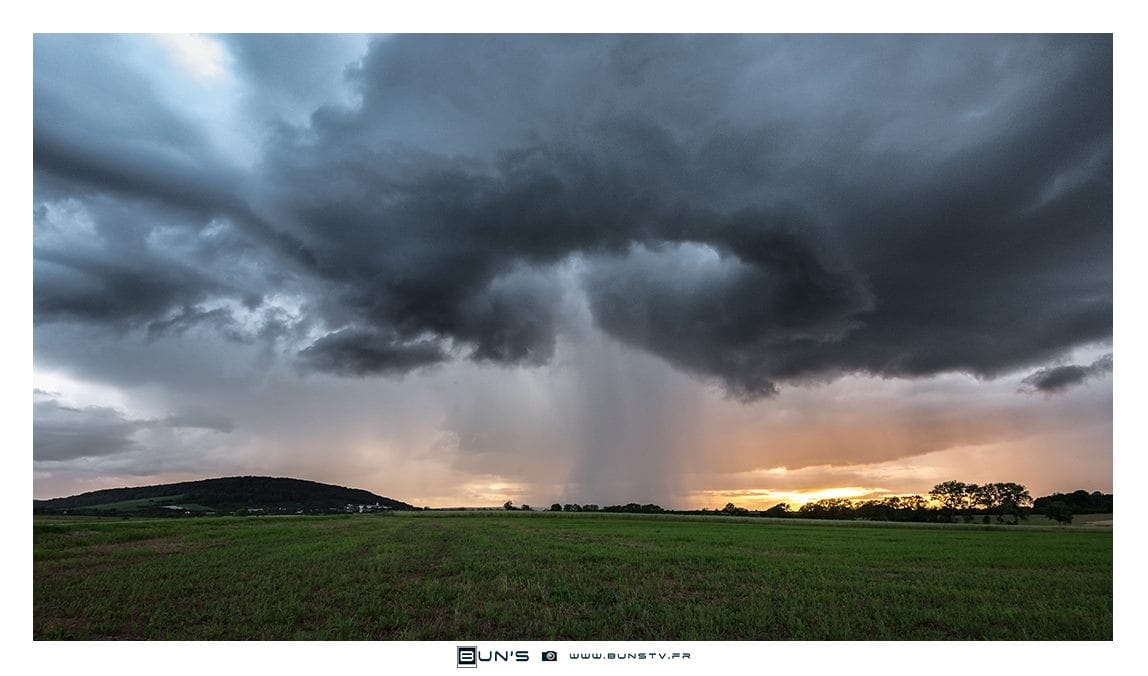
[{"x": 460, "y": 270}]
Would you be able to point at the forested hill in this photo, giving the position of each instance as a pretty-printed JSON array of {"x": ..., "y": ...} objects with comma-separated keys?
[{"x": 251, "y": 494}]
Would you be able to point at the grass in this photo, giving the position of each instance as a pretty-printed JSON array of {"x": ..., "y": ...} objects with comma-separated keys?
[
  {"x": 502, "y": 576},
  {"x": 1093, "y": 520}
]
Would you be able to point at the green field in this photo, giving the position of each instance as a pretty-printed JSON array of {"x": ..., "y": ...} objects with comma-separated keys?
[{"x": 502, "y": 576}]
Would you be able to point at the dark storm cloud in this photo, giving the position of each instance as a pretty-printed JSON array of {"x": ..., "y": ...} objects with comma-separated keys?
[
  {"x": 61, "y": 432},
  {"x": 293, "y": 74},
  {"x": 102, "y": 124},
  {"x": 356, "y": 352},
  {"x": 120, "y": 262},
  {"x": 188, "y": 317},
  {"x": 740, "y": 319},
  {"x": 754, "y": 210},
  {"x": 94, "y": 287},
  {"x": 169, "y": 225},
  {"x": 1059, "y": 378}
]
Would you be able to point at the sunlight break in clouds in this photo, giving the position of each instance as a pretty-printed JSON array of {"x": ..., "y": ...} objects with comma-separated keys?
[{"x": 201, "y": 55}]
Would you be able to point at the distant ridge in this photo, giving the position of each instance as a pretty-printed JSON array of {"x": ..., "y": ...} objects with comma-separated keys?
[{"x": 237, "y": 494}]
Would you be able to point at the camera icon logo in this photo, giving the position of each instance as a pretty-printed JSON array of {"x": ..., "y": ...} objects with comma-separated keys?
[{"x": 549, "y": 656}]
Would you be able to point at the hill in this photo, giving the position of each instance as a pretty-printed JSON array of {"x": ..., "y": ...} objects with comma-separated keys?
[{"x": 228, "y": 495}]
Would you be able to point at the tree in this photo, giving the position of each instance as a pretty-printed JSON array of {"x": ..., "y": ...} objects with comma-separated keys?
[
  {"x": 916, "y": 508},
  {"x": 733, "y": 510},
  {"x": 1081, "y": 502},
  {"x": 1014, "y": 501},
  {"x": 556, "y": 507},
  {"x": 813, "y": 510},
  {"x": 526, "y": 508},
  {"x": 781, "y": 509},
  {"x": 1059, "y": 512},
  {"x": 956, "y": 497},
  {"x": 508, "y": 505},
  {"x": 988, "y": 497},
  {"x": 1003, "y": 500},
  {"x": 571, "y": 508},
  {"x": 829, "y": 508}
]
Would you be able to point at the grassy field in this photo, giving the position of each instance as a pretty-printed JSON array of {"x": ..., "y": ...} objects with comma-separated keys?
[
  {"x": 502, "y": 576},
  {"x": 1093, "y": 520}
]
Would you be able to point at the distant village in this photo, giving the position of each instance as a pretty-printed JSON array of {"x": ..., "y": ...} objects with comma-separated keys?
[{"x": 256, "y": 511}]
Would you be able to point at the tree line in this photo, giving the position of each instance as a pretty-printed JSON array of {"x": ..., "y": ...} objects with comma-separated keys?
[
  {"x": 947, "y": 502},
  {"x": 629, "y": 508}
]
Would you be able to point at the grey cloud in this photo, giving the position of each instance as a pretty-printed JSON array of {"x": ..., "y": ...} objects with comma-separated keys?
[
  {"x": 61, "y": 432},
  {"x": 899, "y": 206},
  {"x": 195, "y": 419},
  {"x": 292, "y": 75},
  {"x": 170, "y": 223},
  {"x": 266, "y": 324},
  {"x": 100, "y": 124},
  {"x": 189, "y": 316},
  {"x": 725, "y": 315},
  {"x": 360, "y": 352},
  {"x": 110, "y": 260},
  {"x": 76, "y": 76},
  {"x": 102, "y": 288},
  {"x": 1059, "y": 378}
]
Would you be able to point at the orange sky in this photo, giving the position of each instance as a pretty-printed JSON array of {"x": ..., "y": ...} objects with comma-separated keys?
[{"x": 418, "y": 441}]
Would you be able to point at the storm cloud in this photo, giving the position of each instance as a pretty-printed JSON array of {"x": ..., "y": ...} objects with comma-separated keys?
[
  {"x": 62, "y": 432},
  {"x": 755, "y": 210},
  {"x": 1058, "y": 378},
  {"x": 252, "y": 218}
]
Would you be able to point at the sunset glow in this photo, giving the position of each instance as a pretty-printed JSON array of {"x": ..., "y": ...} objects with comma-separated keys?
[{"x": 765, "y": 498}]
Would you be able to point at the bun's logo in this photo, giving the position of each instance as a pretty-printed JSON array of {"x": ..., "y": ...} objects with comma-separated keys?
[
  {"x": 467, "y": 657},
  {"x": 470, "y": 656}
]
